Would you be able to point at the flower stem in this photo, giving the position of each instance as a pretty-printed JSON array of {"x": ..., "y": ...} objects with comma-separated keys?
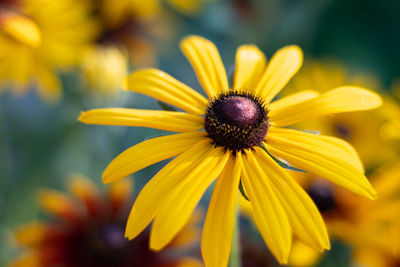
[{"x": 235, "y": 259}]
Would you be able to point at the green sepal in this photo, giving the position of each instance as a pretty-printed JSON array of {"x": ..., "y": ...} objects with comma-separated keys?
[
  {"x": 165, "y": 106},
  {"x": 241, "y": 189},
  {"x": 282, "y": 164}
]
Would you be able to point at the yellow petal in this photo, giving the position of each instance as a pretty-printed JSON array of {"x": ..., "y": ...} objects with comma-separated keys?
[
  {"x": 283, "y": 65},
  {"x": 83, "y": 188},
  {"x": 120, "y": 192},
  {"x": 21, "y": 28},
  {"x": 177, "y": 207},
  {"x": 31, "y": 234},
  {"x": 293, "y": 99},
  {"x": 158, "y": 188},
  {"x": 325, "y": 145},
  {"x": 269, "y": 215},
  {"x": 250, "y": 64},
  {"x": 31, "y": 259},
  {"x": 161, "y": 86},
  {"x": 149, "y": 152},
  {"x": 303, "y": 256},
  {"x": 342, "y": 99},
  {"x": 218, "y": 227},
  {"x": 206, "y": 62},
  {"x": 58, "y": 204},
  {"x": 49, "y": 85},
  {"x": 302, "y": 213},
  {"x": 164, "y": 120},
  {"x": 326, "y": 165}
]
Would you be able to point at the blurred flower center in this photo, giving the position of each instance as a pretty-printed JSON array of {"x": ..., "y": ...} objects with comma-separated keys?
[
  {"x": 322, "y": 195},
  {"x": 113, "y": 236}
]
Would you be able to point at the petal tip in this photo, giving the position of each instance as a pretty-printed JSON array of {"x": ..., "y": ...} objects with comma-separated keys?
[
  {"x": 107, "y": 178},
  {"x": 83, "y": 116}
]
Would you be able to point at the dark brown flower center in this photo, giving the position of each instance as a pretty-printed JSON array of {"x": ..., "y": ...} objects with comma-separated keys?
[{"x": 236, "y": 121}]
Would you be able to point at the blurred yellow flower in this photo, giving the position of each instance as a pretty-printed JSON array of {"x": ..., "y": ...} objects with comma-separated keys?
[
  {"x": 39, "y": 38},
  {"x": 301, "y": 255},
  {"x": 226, "y": 136},
  {"x": 358, "y": 128},
  {"x": 87, "y": 229},
  {"x": 116, "y": 13},
  {"x": 104, "y": 67},
  {"x": 373, "y": 227}
]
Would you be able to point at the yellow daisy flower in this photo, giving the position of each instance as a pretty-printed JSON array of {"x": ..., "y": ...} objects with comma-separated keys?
[
  {"x": 227, "y": 136},
  {"x": 39, "y": 37},
  {"x": 325, "y": 75},
  {"x": 373, "y": 229}
]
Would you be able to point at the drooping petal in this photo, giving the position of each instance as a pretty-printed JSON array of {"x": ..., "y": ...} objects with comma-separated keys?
[
  {"x": 149, "y": 152},
  {"x": 87, "y": 192},
  {"x": 177, "y": 207},
  {"x": 269, "y": 215},
  {"x": 31, "y": 234},
  {"x": 159, "y": 187},
  {"x": 164, "y": 120},
  {"x": 83, "y": 188},
  {"x": 250, "y": 64},
  {"x": 293, "y": 99},
  {"x": 32, "y": 259},
  {"x": 314, "y": 142},
  {"x": 218, "y": 227},
  {"x": 302, "y": 213},
  {"x": 206, "y": 62},
  {"x": 159, "y": 85},
  {"x": 119, "y": 194},
  {"x": 58, "y": 204},
  {"x": 283, "y": 65},
  {"x": 326, "y": 165},
  {"x": 342, "y": 99}
]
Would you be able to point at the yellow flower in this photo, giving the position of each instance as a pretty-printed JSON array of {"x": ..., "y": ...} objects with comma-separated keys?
[
  {"x": 88, "y": 230},
  {"x": 300, "y": 254},
  {"x": 116, "y": 13},
  {"x": 226, "y": 137},
  {"x": 104, "y": 67},
  {"x": 373, "y": 229},
  {"x": 38, "y": 38},
  {"x": 357, "y": 128}
]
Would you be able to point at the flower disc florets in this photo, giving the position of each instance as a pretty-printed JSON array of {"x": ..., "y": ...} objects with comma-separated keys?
[{"x": 236, "y": 120}]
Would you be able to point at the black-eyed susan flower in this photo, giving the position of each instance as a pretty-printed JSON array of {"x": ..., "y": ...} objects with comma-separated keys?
[
  {"x": 39, "y": 38},
  {"x": 371, "y": 228},
  {"x": 237, "y": 134},
  {"x": 355, "y": 128},
  {"x": 87, "y": 229}
]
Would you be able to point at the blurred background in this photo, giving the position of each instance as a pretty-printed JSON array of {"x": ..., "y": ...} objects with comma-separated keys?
[{"x": 58, "y": 58}]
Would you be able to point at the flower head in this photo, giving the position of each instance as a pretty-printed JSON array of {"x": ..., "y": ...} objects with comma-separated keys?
[
  {"x": 323, "y": 76},
  {"x": 247, "y": 111},
  {"x": 38, "y": 38},
  {"x": 88, "y": 230}
]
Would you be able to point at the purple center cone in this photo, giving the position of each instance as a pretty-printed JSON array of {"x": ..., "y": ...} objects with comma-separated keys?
[{"x": 240, "y": 110}]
